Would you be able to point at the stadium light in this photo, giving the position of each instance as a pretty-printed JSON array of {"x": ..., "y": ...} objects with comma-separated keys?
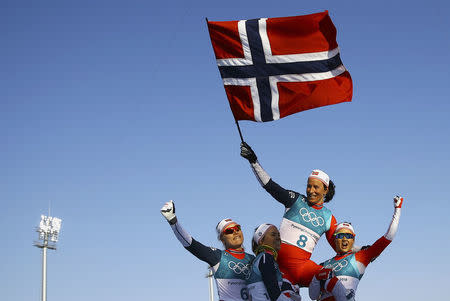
[{"x": 49, "y": 228}]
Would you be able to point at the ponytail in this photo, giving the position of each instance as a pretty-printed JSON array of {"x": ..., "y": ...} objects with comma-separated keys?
[{"x": 330, "y": 193}]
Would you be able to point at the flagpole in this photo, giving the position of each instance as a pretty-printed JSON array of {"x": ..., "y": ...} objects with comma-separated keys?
[{"x": 239, "y": 130}]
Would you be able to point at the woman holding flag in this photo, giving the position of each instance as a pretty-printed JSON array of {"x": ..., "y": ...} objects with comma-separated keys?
[{"x": 305, "y": 220}]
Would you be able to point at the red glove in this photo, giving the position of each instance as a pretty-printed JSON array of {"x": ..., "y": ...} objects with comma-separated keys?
[{"x": 324, "y": 274}]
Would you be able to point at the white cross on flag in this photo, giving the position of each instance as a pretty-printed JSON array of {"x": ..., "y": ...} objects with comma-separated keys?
[{"x": 275, "y": 67}]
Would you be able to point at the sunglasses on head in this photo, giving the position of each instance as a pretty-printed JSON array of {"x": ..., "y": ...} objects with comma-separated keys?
[
  {"x": 346, "y": 235},
  {"x": 231, "y": 230}
]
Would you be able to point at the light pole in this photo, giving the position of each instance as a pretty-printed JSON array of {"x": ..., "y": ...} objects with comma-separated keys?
[
  {"x": 210, "y": 280},
  {"x": 48, "y": 230}
]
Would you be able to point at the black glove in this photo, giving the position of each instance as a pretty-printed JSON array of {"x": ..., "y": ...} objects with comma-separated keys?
[
  {"x": 286, "y": 286},
  {"x": 365, "y": 247},
  {"x": 248, "y": 153}
]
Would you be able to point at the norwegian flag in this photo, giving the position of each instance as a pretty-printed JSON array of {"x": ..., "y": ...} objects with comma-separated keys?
[{"x": 275, "y": 67}]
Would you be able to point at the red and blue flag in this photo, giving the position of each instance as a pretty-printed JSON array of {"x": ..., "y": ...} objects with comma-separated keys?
[{"x": 275, "y": 67}]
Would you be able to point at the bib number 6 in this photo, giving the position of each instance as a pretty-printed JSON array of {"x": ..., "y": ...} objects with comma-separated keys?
[{"x": 244, "y": 294}]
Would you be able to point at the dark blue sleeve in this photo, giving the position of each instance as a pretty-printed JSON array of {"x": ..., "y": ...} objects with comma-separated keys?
[
  {"x": 209, "y": 255},
  {"x": 284, "y": 196},
  {"x": 269, "y": 276}
]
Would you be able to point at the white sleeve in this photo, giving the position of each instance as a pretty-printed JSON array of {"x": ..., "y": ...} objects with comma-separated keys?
[
  {"x": 394, "y": 225},
  {"x": 262, "y": 176},
  {"x": 181, "y": 234}
]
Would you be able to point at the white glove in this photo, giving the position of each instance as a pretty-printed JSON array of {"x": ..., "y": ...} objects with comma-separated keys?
[
  {"x": 296, "y": 297},
  {"x": 168, "y": 211},
  {"x": 398, "y": 201},
  {"x": 283, "y": 297}
]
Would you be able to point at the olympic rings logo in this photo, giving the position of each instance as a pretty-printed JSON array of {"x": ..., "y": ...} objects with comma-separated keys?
[
  {"x": 337, "y": 266},
  {"x": 239, "y": 268},
  {"x": 311, "y": 217}
]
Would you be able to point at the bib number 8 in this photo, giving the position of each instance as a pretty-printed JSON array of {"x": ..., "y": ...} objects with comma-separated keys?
[{"x": 301, "y": 242}]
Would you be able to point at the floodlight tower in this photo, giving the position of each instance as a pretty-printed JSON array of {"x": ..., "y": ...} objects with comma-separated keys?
[{"x": 48, "y": 230}]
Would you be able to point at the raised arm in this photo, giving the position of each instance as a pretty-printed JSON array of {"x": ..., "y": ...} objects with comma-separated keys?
[
  {"x": 367, "y": 255},
  {"x": 210, "y": 255},
  {"x": 284, "y": 196},
  {"x": 392, "y": 230}
]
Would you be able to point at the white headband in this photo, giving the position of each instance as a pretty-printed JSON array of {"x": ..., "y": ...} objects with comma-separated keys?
[
  {"x": 260, "y": 231},
  {"x": 344, "y": 225},
  {"x": 320, "y": 175},
  {"x": 223, "y": 224}
]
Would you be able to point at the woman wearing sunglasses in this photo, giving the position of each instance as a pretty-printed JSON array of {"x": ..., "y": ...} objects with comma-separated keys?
[
  {"x": 349, "y": 267},
  {"x": 265, "y": 281},
  {"x": 304, "y": 221},
  {"x": 229, "y": 264}
]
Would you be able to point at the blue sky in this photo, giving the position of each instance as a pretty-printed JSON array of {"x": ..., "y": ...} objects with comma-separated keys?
[{"x": 108, "y": 109}]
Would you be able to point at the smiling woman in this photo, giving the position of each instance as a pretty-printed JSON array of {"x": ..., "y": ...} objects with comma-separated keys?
[
  {"x": 229, "y": 264},
  {"x": 304, "y": 221},
  {"x": 230, "y": 234},
  {"x": 348, "y": 266}
]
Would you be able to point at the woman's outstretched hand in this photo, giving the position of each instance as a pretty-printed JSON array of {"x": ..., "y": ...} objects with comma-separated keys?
[
  {"x": 398, "y": 202},
  {"x": 168, "y": 211}
]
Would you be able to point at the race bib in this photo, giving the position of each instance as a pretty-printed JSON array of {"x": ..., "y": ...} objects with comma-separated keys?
[{"x": 298, "y": 235}]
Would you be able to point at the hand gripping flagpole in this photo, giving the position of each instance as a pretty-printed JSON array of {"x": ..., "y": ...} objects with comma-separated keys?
[{"x": 235, "y": 120}]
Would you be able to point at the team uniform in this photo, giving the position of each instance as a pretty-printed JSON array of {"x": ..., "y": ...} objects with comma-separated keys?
[
  {"x": 231, "y": 267},
  {"x": 300, "y": 230},
  {"x": 350, "y": 267},
  {"x": 265, "y": 281}
]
